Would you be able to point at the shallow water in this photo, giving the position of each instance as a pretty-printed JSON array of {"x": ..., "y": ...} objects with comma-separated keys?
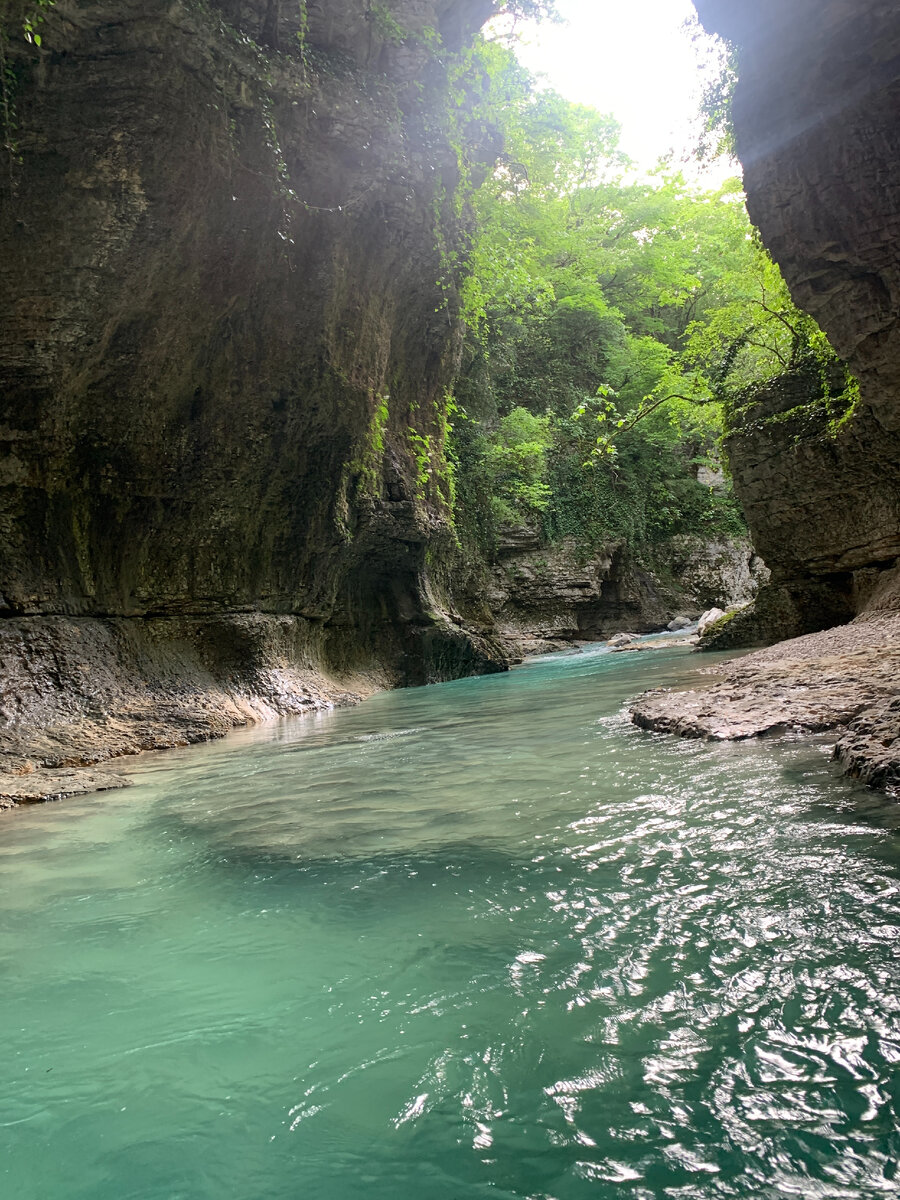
[{"x": 478, "y": 940}]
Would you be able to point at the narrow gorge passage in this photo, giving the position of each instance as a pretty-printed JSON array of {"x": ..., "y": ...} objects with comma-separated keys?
[{"x": 480, "y": 939}]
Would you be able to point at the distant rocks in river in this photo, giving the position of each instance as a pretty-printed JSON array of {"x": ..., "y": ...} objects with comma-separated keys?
[
  {"x": 656, "y": 643},
  {"x": 622, "y": 639},
  {"x": 678, "y": 623}
]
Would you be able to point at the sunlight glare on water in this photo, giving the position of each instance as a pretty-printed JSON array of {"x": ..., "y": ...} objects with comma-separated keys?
[{"x": 484, "y": 939}]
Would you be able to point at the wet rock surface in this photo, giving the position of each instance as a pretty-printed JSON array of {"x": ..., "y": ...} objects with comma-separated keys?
[
  {"x": 843, "y": 679},
  {"x": 45, "y": 784},
  {"x": 870, "y": 749},
  {"x": 77, "y": 692}
]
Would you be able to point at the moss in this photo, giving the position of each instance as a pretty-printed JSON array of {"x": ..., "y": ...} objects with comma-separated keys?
[
  {"x": 817, "y": 398},
  {"x": 719, "y": 624},
  {"x": 366, "y": 468}
]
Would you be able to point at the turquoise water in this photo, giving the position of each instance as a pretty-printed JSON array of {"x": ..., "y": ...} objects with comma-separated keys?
[{"x": 478, "y": 940}]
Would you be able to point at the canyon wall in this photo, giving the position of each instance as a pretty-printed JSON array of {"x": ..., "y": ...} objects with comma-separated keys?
[
  {"x": 228, "y": 236},
  {"x": 544, "y": 597},
  {"x": 815, "y": 120}
]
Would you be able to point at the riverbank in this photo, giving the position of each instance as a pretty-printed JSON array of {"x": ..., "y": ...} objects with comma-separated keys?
[
  {"x": 845, "y": 680},
  {"x": 79, "y": 694}
]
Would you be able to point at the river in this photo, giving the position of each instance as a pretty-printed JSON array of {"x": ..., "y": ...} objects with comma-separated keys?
[{"x": 478, "y": 940}]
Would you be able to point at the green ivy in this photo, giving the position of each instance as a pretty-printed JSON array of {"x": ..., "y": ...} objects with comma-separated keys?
[
  {"x": 366, "y": 467},
  {"x": 386, "y": 25}
]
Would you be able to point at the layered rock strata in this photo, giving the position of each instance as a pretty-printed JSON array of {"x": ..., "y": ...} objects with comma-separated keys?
[
  {"x": 541, "y": 597},
  {"x": 820, "y": 488},
  {"x": 842, "y": 679},
  {"x": 227, "y": 235}
]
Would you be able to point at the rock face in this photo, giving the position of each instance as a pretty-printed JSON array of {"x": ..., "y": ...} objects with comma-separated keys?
[
  {"x": 815, "y": 118},
  {"x": 544, "y": 596},
  {"x": 822, "y": 497},
  {"x": 226, "y": 332},
  {"x": 541, "y": 596},
  {"x": 720, "y": 572}
]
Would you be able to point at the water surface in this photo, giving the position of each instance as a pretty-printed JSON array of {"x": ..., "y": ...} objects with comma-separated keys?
[{"x": 478, "y": 940}]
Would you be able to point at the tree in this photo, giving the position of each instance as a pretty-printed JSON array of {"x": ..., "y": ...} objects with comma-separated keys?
[{"x": 624, "y": 312}]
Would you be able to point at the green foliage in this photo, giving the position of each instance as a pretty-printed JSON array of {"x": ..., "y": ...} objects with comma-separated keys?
[
  {"x": 366, "y": 467},
  {"x": 421, "y": 444},
  {"x": 515, "y": 464},
  {"x": 717, "y": 137},
  {"x": 517, "y": 11},
  {"x": 303, "y": 32},
  {"x": 21, "y": 19},
  {"x": 26, "y": 16},
  {"x": 473, "y": 515},
  {"x": 622, "y": 315},
  {"x": 647, "y": 492},
  {"x": 386, "y": 25}
]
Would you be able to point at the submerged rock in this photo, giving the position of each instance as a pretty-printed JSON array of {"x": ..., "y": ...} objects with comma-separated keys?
[{"x": 44, "y": 784}]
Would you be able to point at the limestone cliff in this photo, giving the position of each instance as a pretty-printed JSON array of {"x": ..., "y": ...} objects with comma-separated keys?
[
  {"x": 227, "y": 235},
  {"x": 542, "y": 596},
  {"x": 815, "y": 119}
]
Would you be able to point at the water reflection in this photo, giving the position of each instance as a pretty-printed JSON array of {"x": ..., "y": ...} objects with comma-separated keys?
[{"x": 477, "y": 940}]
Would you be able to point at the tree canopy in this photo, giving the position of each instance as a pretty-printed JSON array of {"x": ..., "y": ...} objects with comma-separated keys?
[{"x": 621, "y": 311}]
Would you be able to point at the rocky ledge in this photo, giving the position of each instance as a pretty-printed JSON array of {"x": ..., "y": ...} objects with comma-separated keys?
[
  {"x": 845, "y": 679},
  {"x": 542, "y": 597},
  {"x": 78, "y": 692},
  {"x": 37, "y": 785}
]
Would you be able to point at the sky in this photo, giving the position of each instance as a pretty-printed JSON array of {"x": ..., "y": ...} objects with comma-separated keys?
[{"x": 633, "y": 59}]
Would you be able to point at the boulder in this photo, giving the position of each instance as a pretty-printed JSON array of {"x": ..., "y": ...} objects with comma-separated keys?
[
  {"x": 709, "y": 617},
  {"x": 622, "y": 639},
  {"x": 678, "y": 623}
]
